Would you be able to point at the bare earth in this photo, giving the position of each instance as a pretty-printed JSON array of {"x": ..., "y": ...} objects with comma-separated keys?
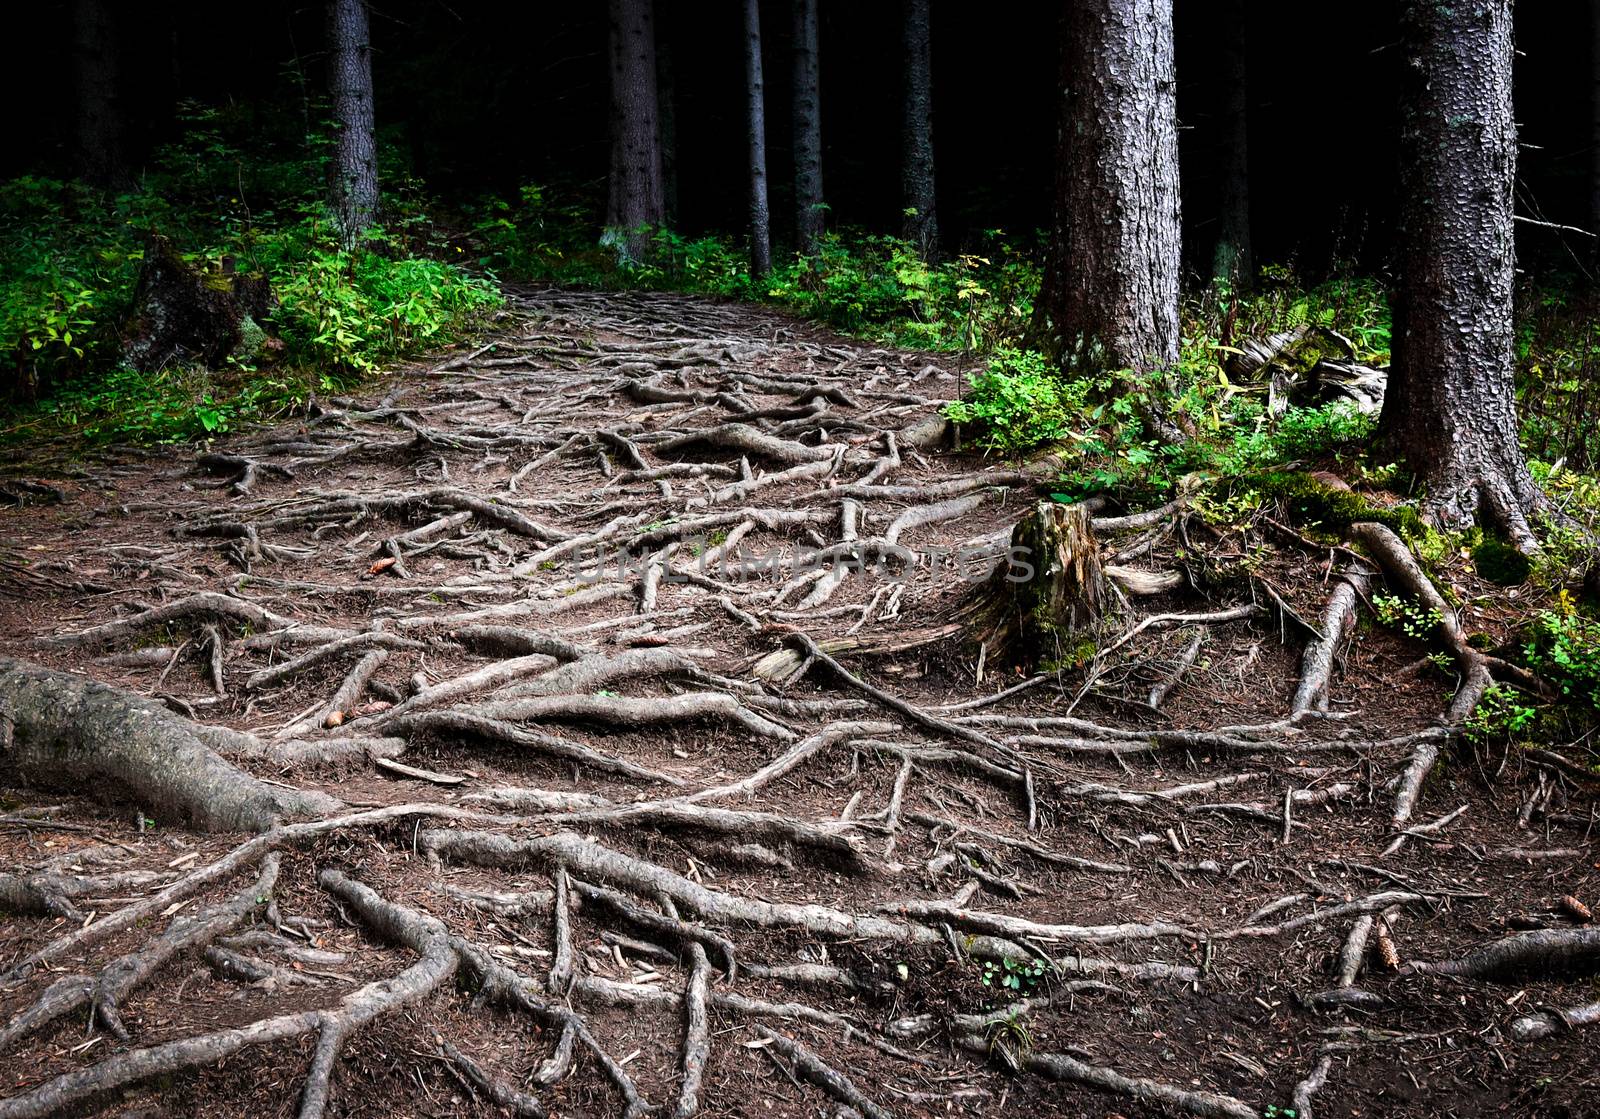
[{"x": 656, "y": 838}]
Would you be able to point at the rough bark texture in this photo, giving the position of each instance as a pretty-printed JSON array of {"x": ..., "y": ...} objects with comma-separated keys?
[
  {"x": 636, "y": 202},
  {"x": 1120, "y": 303},
  {"x": 183, "y": 314},
  {"x": 921, "y": 224},
  {"x": 99, "y": 118},
  {"x": 1030, "y": 610},
  {"x": 809, "y": 214},
  {"x": 756, "y": 122},
  {"x": 355, "y": 155},
  {"x": 1450, "y": 411},
  {"x": 1232, "y": 261},
  {"x": 667, "y": 113},
  {"x": 65, "y": 731}
]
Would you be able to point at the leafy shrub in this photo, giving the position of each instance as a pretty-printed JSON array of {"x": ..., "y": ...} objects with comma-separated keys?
[
  {"x": 1020, "y": 403},
  {"x": 1501, "y": 716},
  {"x": 348, "y": 310},
  {"x": 1567, "y": 532},
  {"x": 1408, "y": 617},
  {"x": 1563, "y": 646},
  {"x": 70, "y": 257},
  {"x": 1020, "y": 977},
  {"x": 174, "y": 405}
]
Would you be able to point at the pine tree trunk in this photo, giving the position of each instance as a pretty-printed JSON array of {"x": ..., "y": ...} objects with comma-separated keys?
[
  {"x": 636, "y": 202},
  {"x": 1120, "y": 303},
  {"x": 99, "y": 119},
  {"x": 1450, "y": 410},
  {"x": 755, "y": 94},
  {"x": 1232, "y": 262},
  {"x": 921, "y": 226},
  {"x": 667, "y": 107},
  {"x": 809, "y": 213},
  {"x": 355, "y": 155}
]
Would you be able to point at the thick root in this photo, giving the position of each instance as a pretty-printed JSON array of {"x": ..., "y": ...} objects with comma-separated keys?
[{"x": 64, "y": 731}]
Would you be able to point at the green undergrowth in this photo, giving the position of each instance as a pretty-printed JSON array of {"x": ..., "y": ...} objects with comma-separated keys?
[
  {"x": 70, "y": 258},
  {"x": 869, "y": 285}
]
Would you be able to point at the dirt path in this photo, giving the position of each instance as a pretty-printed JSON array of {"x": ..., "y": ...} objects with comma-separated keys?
[{"x": 548, "y": 627}]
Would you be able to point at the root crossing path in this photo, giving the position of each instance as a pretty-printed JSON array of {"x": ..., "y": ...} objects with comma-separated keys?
[{"x": 580, "y": 725}]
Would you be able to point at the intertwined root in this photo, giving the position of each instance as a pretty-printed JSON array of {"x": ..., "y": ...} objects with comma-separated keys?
[{"x": 675, "y": 584}]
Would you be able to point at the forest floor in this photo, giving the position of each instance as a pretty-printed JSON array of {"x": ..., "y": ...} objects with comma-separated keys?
[{"x": 595, "y": 833}]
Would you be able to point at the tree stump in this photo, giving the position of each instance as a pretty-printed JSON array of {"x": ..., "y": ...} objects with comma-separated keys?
[
  {"x": 181, "y": 313},
  {"x": 1043, "y": 605}
]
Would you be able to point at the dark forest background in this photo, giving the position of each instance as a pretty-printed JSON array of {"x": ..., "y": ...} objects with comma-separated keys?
[{"x": 477, "y": 99}]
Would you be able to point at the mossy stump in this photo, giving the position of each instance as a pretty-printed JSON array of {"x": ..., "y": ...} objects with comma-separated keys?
[
  {"x": 1043, "y": 605},
  {"x": 183, "y": 313}
]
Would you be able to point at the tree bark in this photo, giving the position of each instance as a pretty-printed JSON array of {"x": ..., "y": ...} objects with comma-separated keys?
[
  {"x": 1232, "y": 263},
  {"x": 1041, "y": 605},
  {"x": 99, "y": 117},
  {"x": 355, "y": 156},
  {"x": 1450, "y": 410},
  {"x": 809, "y": 213},
  {"x": 636, "y": 202},
  {"x": 921, "y": 226},
  {"x": 67, "y": 732},
  {"x": 667, "y": 111},
  {"x": 183, "y": 313},
  {"x": 756, "y": 120},
  {"x": 1120, "y": 298}
]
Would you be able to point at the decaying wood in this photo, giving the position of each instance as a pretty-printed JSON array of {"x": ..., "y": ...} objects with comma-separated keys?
[{"x": 1050, "y": 593}]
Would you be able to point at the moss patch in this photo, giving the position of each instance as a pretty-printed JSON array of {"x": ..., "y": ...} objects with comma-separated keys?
[{"x": 1500, "y": 563}]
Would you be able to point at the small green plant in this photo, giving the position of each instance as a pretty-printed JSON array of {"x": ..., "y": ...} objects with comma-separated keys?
[
  {"x": 1563, "y": 646},
  {"x": 1406, "y": 616},
  {"x": 1010, "y": 1040},
  {"x": 1020, "y": 403},
  {"x": 1501, "y": 716},
  {"x": 1273, "y": 1111},
  {"x": 1018, "y": 976}
]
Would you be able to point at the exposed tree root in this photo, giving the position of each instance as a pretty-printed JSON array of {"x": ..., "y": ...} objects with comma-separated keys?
[
  {"x": 1544, "y": 1023},
  {"x": 421, "y": 933},
  {"x": 103, "y": 993},
  {"x": 1058, "y": 1066},
  {"x": 608, "y": 533},
  {"x": 1338, "y": 620},
  {"x": 60, "y": 729},
  {"x": 1543, "y": 952}
]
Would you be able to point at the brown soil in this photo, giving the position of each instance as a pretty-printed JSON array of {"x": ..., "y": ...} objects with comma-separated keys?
[{"x": 137, "y": 530}]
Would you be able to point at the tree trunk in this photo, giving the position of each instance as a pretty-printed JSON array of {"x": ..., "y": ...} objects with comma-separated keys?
[
  {"x": 636, "y": 203},
  {"x": 921, "y": 225},
  {"x": 1232, "y": 262},
  {"x": 355, "y": 155},
  {"x": 1450, "y": 411},
  {"x": 99, "y": 119},
  {"x": 809, "y": 214},
  {"x": 756, "y": 119},
  {"x": 1120, "y": 303},
  {"x": 667, "y": 108},
  {"x": 1042, "y": 605}
]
